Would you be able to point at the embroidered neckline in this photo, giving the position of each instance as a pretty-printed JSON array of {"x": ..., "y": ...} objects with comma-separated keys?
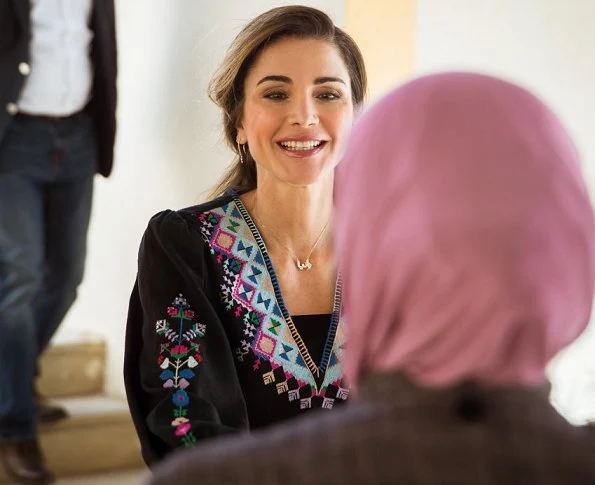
[{"x": 315, "y": 370}]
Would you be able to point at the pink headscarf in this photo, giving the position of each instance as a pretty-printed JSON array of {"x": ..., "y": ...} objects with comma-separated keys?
[{"x": 465, "y": 235}]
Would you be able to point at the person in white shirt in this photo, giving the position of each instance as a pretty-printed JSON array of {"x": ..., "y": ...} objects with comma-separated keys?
[{"x": 57, "y": 128}]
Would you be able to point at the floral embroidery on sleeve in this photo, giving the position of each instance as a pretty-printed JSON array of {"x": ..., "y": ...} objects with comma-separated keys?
[{"x": 179, "y": 355}]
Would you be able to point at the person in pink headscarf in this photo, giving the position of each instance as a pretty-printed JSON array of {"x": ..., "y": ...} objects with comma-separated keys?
[{"x": 466, "y": 241}]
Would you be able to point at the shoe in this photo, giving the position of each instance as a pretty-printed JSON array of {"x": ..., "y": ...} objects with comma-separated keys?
[
  {"x": 24, "y": 463},
  {"x": 47, "y": 412}
]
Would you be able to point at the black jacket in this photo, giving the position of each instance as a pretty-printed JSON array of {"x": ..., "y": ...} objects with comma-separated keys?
[
  {"x": 210, "y": 346},
  {"x": 15, "y": 34}
]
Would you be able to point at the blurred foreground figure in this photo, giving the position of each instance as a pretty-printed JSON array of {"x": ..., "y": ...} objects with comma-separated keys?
[{"x": 465, "y": 235}]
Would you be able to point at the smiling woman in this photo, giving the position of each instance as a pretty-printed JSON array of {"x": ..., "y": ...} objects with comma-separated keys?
[{"x": 235, "y": 321}]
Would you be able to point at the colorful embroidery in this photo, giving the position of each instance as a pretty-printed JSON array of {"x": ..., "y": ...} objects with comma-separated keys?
[
  {"x": 179, "y": 355},
  {"x": 251, "y": 293}
]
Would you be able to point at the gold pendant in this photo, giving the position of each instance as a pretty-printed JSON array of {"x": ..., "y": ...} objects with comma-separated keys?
[{"x": 306, "y": 265}]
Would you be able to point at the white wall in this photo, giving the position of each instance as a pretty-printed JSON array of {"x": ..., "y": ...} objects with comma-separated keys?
[
  {"x": 549, "y": 47},
  {"x": 169, "y": 150}
]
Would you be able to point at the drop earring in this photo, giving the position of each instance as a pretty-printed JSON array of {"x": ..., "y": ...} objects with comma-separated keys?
[{"x": 241, "y": 151}]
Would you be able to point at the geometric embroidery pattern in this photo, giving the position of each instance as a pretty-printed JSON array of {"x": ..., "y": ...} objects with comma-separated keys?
[{"x": 249, "y": 291}]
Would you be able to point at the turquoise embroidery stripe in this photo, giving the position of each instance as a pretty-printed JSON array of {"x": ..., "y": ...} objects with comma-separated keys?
[{"x": 239, "y": 249}]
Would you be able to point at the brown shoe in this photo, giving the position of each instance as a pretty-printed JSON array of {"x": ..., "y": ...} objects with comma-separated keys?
[
  {"x": 47, "y": 412},
  {"x": 24, "y": 463}
]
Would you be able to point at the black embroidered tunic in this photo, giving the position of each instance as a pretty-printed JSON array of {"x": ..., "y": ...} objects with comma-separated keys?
[{"x": 210, "y": 346}]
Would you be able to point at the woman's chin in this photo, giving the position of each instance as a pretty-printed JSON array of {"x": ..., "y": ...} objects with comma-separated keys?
[
  {"x": 304, "y": 181},
  {"x": 307, "y": 178}
]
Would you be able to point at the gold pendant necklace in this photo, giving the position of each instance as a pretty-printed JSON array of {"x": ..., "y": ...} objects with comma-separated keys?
[{"x": 307, "y": 264}]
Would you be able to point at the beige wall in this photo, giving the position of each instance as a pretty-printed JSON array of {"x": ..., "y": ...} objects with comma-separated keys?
[{"x": 385, "y": 30}]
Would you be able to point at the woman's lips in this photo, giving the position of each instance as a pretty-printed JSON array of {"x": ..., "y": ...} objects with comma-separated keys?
[{"x": 302, "y": 153}]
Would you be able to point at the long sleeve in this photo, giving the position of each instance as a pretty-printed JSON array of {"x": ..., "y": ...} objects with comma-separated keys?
[{"x": 180, "y": 376}]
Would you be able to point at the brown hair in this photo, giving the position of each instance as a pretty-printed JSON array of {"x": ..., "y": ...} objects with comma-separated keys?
[{"x": 226, "y": 88}]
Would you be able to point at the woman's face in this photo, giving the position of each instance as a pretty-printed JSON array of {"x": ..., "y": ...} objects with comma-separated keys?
[{"x": 298, "y": 110}]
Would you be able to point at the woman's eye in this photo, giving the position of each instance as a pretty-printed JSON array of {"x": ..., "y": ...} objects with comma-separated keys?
[
  {"x": 329, "y": 96},
  {"x": 275, "y": 95}
]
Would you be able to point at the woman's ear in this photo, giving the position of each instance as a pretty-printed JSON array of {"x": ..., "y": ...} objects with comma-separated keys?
[{"x": 241, "y": 136}]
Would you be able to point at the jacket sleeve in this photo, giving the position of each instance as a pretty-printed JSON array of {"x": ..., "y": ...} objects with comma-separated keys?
[{"x": 180, "y": 376}]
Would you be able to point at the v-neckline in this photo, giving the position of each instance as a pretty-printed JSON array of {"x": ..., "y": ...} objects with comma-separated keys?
[{"x": 317, "y": 371}]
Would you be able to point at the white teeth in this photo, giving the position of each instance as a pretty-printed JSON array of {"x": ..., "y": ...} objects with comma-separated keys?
[{"x": 300, "y": 145}]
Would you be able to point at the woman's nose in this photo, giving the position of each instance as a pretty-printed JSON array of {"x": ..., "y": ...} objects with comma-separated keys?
[{"x": 303, "y": 112}]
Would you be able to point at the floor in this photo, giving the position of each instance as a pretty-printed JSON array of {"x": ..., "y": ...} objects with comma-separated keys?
[{"x": 123, "y": 478}]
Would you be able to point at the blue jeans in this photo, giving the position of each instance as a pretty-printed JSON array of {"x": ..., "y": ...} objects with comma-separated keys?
[{"x": 46, "y": 188}]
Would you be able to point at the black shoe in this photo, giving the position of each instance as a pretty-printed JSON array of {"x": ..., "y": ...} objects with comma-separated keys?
[
  {"x": 49, "y": 413},
  {"x": 24, "y": 463}
]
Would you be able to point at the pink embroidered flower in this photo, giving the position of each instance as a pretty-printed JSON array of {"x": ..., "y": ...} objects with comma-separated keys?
[
  {"x": 189, "y": 314},
  {"x": 179, "y": 351},
  {"x": 183, "y": 429},
  {"x": 178, "y": 421},
  {"x": 171, "y": 311}
]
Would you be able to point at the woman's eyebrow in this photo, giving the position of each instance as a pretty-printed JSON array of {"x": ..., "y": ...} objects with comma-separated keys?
[
  {"x": 287, "y": 80},
  {"x": 282, "y": 79}
]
